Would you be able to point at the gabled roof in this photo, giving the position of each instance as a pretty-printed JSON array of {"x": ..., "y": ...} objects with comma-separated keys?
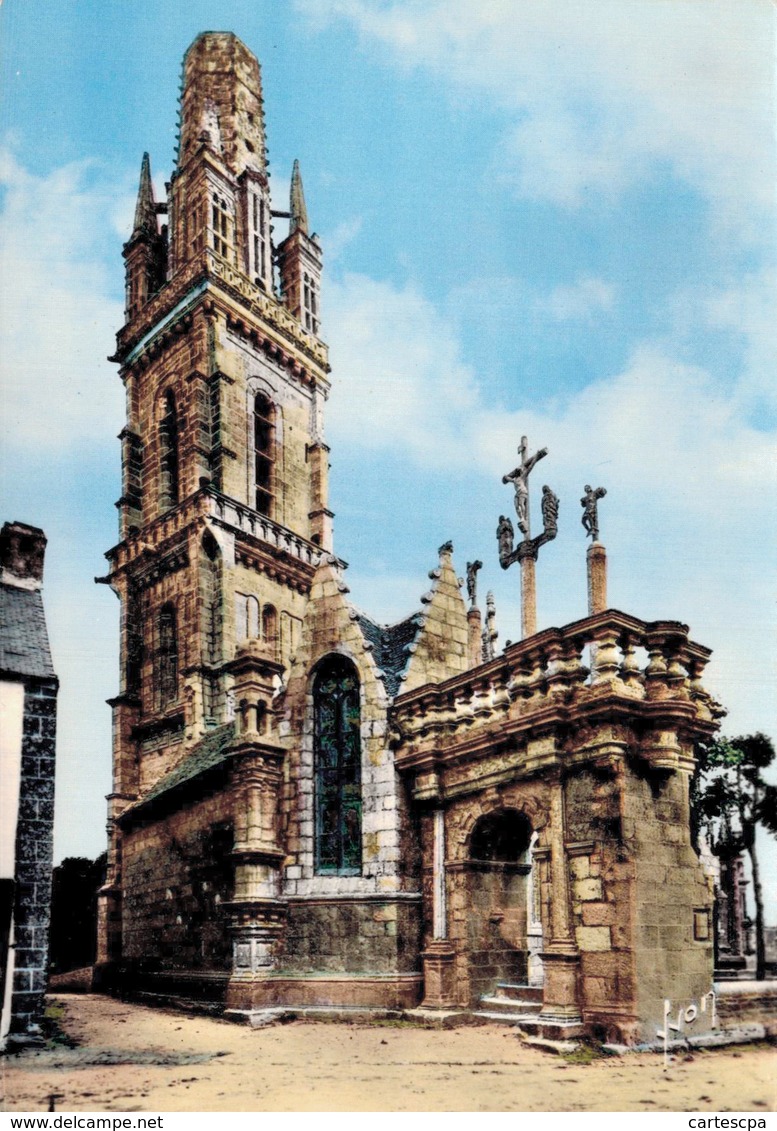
[
  {"x": 208, "y": 753},
  {"x": 390, "y": 645},
  {"x": 24, "y": 641}
]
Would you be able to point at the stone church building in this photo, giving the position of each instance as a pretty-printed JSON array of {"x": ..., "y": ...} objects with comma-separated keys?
[{"x": 311, "y": 809}]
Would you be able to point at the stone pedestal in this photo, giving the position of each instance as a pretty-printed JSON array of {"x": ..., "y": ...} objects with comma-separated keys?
[
  {"x": 596, "y": 560},
  {"x": 560, "y": 993},
  {"x": 474, "y": 637},
  {"x": 439, "y": 975},
  {"x": 257, "y": 925}
]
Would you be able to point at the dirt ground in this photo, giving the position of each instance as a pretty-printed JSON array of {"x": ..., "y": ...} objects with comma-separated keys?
[{"x": 134, "y": 1058}]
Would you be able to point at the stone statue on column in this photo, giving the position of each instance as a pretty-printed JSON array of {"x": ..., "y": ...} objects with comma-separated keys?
[
  {"x": 590, "y": 505},
  {"x": 472, "y": 582}
]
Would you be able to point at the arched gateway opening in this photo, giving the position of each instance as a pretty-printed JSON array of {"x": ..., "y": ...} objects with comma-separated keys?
[{"x": 504, "y": 935}]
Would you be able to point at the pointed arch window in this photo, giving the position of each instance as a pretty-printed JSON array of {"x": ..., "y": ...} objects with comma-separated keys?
[
  {"x": 264, "y": 453},
  {"x": 167, "y": 655},
  {"x": 337, "y": 768},
  {"x": 168, "y": 445}
]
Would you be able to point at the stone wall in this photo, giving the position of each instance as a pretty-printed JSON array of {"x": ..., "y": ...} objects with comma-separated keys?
[
  {"x": 34, "y": 855},
  {"x": 379, "y": 936},
  {"x": 487, "y": 902},
  {"x": 177, "y": 872},
  {"x": 672, "y": 898}
]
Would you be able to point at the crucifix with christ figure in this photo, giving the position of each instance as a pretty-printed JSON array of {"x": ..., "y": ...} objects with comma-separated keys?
[{"x": 526, "y": 551}]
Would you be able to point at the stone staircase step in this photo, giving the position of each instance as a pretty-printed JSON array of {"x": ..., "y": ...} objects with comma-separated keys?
[
  {"x": 538, "y": 1027},
  {"x": 497, "y": 1018},
  {"x": 496, "y": 1003},
  {"x": 519, "y": 991},
  {"x": 548, "y": 1044}
]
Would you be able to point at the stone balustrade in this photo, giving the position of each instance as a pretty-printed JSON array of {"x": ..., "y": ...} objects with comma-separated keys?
[
  {"x": 607, "y": 657},
  {"x": 259, "y": 526},
  {"x": 208, "y": 502}
]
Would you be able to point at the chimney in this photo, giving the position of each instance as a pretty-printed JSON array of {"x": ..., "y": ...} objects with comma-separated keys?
[{"x": 22, "y": 549}]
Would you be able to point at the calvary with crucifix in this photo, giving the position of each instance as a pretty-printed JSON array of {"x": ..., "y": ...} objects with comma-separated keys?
[{"x": 526, "y": 551}]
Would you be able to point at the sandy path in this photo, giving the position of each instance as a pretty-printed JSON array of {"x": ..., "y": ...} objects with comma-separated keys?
[{"x": 133, "y": 1058}]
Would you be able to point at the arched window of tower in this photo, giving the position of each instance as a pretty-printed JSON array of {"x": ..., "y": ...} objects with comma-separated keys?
[
  {"x": 264, "y": 453},
  {"x": 168, "y": 451},
  {"x": 167, "y": 655}
]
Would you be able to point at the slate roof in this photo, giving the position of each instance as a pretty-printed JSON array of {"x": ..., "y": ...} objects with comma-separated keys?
[
  {"x": 209, "y": 752},
  {"x": 390, "y": 646},
  {"x": 24, "y": 641}
]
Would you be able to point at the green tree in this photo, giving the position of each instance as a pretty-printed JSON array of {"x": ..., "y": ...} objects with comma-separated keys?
[
  {"x": 73, "y": 931},
  {"x": 732, "y": 794}
]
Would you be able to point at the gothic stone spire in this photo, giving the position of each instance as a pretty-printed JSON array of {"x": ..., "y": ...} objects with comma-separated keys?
[
  {"x": 145, "y": 208},
  {"x": 297, "y": 211}
]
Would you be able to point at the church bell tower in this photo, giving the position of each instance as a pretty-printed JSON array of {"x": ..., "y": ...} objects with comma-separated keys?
[{"x": 223, "y": 513}]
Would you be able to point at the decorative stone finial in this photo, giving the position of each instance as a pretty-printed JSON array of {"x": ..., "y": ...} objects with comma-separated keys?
[
  {"x": 490, "y": 634},
  {"x": 590, "y": 505}
]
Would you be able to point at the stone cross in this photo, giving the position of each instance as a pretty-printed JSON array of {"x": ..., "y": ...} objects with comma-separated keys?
[
  {"x": 526, "y": 551},
  {"x": 519, "y": 478}
]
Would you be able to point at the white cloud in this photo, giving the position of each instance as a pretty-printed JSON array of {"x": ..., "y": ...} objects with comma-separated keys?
[
  {"x": 57, "y": 319},
  {"x": 691, "y": 518},
  {"x": 400, "y": 378},
  {"x": 338, "y": 240},
  {"x": 581, "y": 299},
  {"x": 599, "y": 91}
]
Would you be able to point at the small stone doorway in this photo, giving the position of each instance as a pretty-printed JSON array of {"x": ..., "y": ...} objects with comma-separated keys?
[{"x": 503, "y": 933}]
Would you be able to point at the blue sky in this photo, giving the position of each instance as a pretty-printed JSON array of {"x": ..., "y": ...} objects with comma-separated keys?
[{"x": 552, "y": 218}]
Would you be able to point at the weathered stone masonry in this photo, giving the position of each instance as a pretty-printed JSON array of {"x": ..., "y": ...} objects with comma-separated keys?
[
  {"x": 597, "y": 766},
  {"x": 30, "y": 686},
  {"x": 310, "y": 808}
]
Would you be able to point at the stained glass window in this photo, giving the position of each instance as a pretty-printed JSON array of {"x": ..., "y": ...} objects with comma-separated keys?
[{"x": 337, "y": 759}]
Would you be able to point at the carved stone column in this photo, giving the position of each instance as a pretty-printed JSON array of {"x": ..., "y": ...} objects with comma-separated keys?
[
  {"x": 528, "y": 597},
  {"x": 596, "y": 559},
  {"x": 560, "y": 957},
  {"x": 257, "y": 913},
  {"x": 439, "y": 956},
  {"x": 474, "y": 637}
]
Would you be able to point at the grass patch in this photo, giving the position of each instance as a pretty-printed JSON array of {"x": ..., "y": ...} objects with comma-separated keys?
[
  {"x": 587, "y": 1051},
  {"x": 52, "y": 1026}
]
